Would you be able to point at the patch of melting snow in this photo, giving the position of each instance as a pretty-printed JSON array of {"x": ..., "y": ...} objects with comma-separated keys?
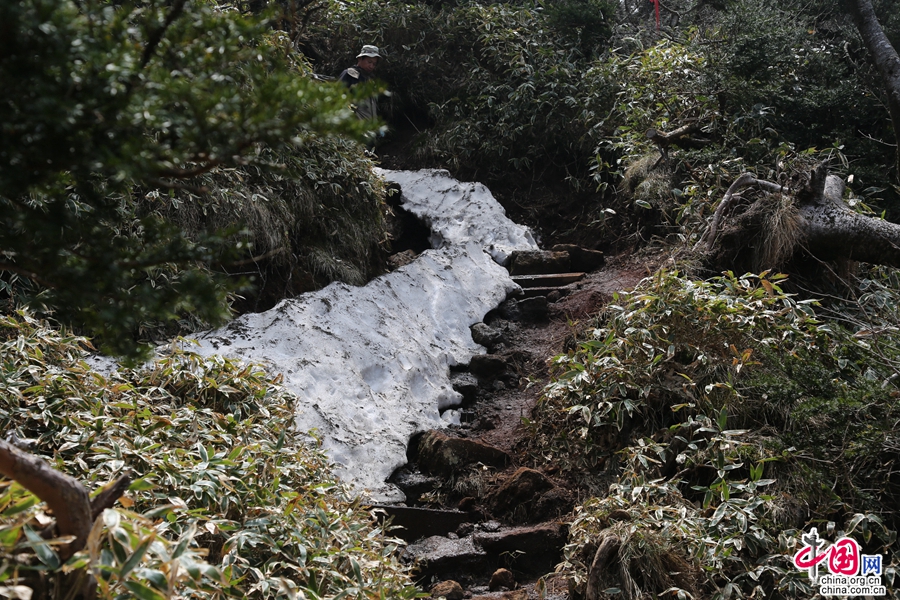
[{"x": 371, "y": 364}]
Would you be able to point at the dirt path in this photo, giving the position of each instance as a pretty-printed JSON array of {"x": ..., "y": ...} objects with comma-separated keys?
[
  {"x": 530, "y": 346},
  {"x": 502, "y": 403}
]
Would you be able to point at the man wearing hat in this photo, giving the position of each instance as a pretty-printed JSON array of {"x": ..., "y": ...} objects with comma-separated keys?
[{"x": 366, "y": 62}]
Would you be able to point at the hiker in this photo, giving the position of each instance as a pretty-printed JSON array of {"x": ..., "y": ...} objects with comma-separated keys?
[{"x": 366, "y": 63}]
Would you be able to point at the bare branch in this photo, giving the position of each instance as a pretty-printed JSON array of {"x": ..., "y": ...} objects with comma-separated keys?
[
  {"x": 109, "y": 494},
  {"x": 65, "y": 495},
  {"x": 157, "y": 35},
  {"x": 745, "y": 180}
]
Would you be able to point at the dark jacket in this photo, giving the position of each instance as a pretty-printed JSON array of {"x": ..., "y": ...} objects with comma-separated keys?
[{"x": 368, "y": 108}]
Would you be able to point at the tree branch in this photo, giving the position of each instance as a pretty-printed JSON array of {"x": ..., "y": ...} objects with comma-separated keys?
[
  {"x": 65, "y": 495},
  {"x": 745, "y": 180},
  {"x": 109, "y": 494},
  {"x": 883, "y": 54},
  {"x": 156, "y": 36}
]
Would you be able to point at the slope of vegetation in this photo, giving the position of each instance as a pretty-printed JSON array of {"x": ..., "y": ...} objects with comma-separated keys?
[
  {"x": 228, "y": 500},
  {"x": 719, "y": 419},
  {"x": 156, "y": 157}
]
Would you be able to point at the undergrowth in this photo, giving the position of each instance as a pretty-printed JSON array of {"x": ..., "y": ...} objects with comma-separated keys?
[
  {"x": 716, "y": 421},
  {"x": 228, "y": 500}
]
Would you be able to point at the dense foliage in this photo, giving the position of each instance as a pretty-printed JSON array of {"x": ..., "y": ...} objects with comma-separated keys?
[
  {"x": 228, "y": 501},
  {"x": 686, "y": 392},
  {"x": 711, "y": 421},
  {"x": 109, "y": 97},
  {"x": 517, "y": 99}
]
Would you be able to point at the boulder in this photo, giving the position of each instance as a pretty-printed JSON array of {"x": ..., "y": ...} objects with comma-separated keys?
[
  {"x": 486, "y": 335},
  {"x": 524, "y": 486},
  {"x": 449, "y": 590},
  {"x": 534, "y": 262},
  {"x": 502, "y": 578},
  {"x": 414, "y": 523},
  {"x": 537, "y": 548},
  {"x": 413, "y": 483},
  {"x": 437, "y": 452},
  {"x": 533, "y": 309},
  {"x": 437, "y": 554}
]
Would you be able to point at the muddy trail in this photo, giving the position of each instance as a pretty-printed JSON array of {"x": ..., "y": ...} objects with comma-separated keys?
[{"x": 480, "y": 521}]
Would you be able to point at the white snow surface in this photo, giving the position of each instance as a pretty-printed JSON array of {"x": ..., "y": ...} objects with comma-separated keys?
[{"x": 371, "y": 364}]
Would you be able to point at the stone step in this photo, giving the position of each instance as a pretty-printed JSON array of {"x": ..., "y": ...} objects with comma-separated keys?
[
  {"x": 531, "y": 292},
  {"x": 415, "y": 523},
  {"x": 547, "y": 279}
]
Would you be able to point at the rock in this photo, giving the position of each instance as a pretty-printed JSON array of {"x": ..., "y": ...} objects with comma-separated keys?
[
  {"x": 581, "y": 259},
  {"x": 414, "y": 523},
  {"x": 437, "y": 452},
  {"x": 413, "y": 483},
  {"x": 535, "y": 262},
  {"x": 466, "y": 384},
  {"x": 450, "y": 590},
  {"x": 523, "y": 486},
  {"x": 486, "y": 335},
  {"x": 487, "y": 365},
  {"x": 553, "y": 504},
  {"x": 438, "y": 554},
  {"x": 533, "y": 309},
  {"x": 502, "y": 578},
  {"x": 401, "y": 259},
  {"x": 490, "y": 526},
  {"x": 537, "y": 548}
]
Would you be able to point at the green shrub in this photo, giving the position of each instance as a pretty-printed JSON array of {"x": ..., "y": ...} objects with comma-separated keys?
[
  {"x": 109, "y": 97},
  {"x": 672, "y": 406},
  {"x": 313, "y": 216},
  {"x": 229, "y": 501},
  {"x": 509, "y": 90}
]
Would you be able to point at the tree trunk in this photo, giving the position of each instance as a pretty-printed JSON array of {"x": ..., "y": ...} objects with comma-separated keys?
[
  {"x": 75, "y": 512},
  {"x": 65, "y": 495},
  {"x": 825, "y": 226},
  {"x": 831, "y": 230},
  {"x": 884, "y": 56}
]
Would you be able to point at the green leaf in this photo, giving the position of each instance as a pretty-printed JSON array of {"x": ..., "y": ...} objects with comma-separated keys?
[
  {"x": 141, "y": 485},
  {"x": 142, "y": 591},
  {"x": 136, "y": 557},
  {"x": 21, "y": 505},
  {"x": 44, "y": 552}
]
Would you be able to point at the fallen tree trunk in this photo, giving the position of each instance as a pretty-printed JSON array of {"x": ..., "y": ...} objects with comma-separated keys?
[
  {"x": 821, "y": 224},
  {"x": 833, "y": 231}
]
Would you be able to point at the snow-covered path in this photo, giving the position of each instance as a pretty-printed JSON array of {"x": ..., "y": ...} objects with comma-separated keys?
[{"x": 371, "y": 364}]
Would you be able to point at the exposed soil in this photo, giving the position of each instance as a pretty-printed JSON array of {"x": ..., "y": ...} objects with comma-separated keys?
[{"x": 533, "y": 344}]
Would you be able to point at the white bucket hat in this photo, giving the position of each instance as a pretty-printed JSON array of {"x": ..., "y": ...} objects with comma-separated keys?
[{"x": 371, "y": 51}]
